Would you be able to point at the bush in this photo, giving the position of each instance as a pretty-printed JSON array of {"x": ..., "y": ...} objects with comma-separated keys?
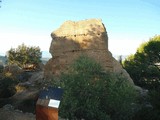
[
  {"x": 150, "y": 108},
  {"x": 147, "y": 113},
  {"x": 93, "y": 94},
  {"x": 25, "y": 57}
]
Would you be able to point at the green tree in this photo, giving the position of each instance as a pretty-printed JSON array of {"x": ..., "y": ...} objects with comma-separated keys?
[
  {"x": 144, "y": 69},
  {"x": 0, "y": 2},
  {"x": 92, "y": 94},
  {"x": 25, "y": 56},
  {"x": 143, "y": 65}
]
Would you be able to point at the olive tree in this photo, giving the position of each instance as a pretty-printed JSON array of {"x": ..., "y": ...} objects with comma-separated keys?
[{"x": 24, "y": 56}]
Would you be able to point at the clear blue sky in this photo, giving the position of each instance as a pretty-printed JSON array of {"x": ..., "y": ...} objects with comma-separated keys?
[{"x": 128, "y": 22}]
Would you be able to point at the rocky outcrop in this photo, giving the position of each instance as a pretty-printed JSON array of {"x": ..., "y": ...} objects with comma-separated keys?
[
  {"x": 9, "y": 113},
  {"x": 79, "y": 36},
  {"x": 26, "y": 91},
  {"x": 73, "y": 39}
]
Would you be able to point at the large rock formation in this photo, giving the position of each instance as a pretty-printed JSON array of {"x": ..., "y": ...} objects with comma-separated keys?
[{"x": 73, "y": 39}]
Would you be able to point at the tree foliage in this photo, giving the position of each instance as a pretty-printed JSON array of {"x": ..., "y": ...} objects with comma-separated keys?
[
  {"x": 0, "y": 2},
  {"x": 25, "y": 56},
  {"x": 143, "y": 65},
  {"x": 144, "y": 69},
  {"x": 91, "y": 93}
]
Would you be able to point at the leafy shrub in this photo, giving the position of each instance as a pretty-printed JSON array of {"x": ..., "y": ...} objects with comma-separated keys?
[
  {"x": 25, "y": 57},
  {"x": 147, "y": 113},
  {"x": 93, "y": 94},
  {"x": 150, "y": 108}
]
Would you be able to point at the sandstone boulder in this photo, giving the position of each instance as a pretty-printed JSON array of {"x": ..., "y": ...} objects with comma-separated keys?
[
  {"x": 78, "y": 36},
  {"x": 73, "y": 39}
]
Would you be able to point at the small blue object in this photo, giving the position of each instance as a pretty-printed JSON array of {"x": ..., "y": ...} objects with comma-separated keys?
[{"x": 51, "y": 93}]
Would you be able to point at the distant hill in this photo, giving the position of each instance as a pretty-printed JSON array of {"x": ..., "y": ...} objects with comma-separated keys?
[
  {"x": 46, "y": 54},
  {"x": 44, "y": 60},
  {"x": 45, "y": 57}
]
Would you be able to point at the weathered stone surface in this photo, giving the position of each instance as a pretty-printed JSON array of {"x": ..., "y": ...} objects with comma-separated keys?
[
  {"x": 117, "y": 68},
  {"x": 8, "y": 113},
  {"x": 58, "y": 64},
  {"x": 73, "y": 39},
  {"x": 26, "y": 92},
  {"x": 81, "y": 35}
]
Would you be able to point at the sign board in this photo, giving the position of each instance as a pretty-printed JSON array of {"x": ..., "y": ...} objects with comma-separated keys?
[
  {"x": 50, "y": 97},
  {"x": 54, "y": 103},
  {"x": 48, "y": 104}
]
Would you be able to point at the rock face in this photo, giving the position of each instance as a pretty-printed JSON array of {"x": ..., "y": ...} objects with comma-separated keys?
[{"x": 73, "y": 39}]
